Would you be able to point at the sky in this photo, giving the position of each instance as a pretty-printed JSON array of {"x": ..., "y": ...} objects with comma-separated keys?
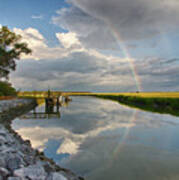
[{"x": 96, "y": 45}]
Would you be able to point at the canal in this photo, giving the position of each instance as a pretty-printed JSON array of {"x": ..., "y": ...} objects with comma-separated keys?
[{"x": 102, "y": 139}]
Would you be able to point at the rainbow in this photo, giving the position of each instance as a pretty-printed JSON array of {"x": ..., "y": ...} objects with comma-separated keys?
[
  {"x": 137, "y": 81},
  {"x": 127, "y": 56}
]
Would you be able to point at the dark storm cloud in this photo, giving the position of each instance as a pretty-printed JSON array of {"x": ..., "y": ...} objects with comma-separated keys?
[
  {"x": 90, "y": 30},
  {"x": 94, "y": 21}
]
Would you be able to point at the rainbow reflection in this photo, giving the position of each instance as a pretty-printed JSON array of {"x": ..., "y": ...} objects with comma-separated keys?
[{"x": 121, "y": 144}]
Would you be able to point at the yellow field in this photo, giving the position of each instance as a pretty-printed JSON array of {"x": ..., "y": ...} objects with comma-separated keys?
[
  {"x": 42, "y": 94},
  {"x": 141, "y": 94}
]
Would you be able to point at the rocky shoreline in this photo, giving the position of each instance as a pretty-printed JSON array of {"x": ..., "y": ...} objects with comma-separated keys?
[{"x": 18, "y": 160}]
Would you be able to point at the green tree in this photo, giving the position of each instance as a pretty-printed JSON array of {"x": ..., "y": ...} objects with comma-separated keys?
[
  {"x": 11, "y": 49},
  {"x": 6, "y": 89}
]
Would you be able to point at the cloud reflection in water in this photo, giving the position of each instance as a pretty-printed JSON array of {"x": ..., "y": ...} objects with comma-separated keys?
[{"x": 101, "y": 139}]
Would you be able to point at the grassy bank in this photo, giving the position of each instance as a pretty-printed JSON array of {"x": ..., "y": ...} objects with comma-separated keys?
[{"x": 154, "y": 104}]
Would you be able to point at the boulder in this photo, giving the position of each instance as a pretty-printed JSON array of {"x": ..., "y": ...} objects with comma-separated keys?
[
  {"x": 4, "y": 172},
  {"x": 56, "y": 176},
  {"x": 14, "y": 163},
  {"x": 2, "y": 161},
  {"x": 14, "y": 178},
  {"x": 31, "y": 172}
]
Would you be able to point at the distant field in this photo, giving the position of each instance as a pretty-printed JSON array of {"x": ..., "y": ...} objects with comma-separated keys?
[
  {"x": 141, "y": 94},
  {"x": 41, "y": 94}
]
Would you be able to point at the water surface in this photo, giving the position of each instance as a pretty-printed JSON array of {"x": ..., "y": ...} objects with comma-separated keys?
[{"x": 102, "y": 140}]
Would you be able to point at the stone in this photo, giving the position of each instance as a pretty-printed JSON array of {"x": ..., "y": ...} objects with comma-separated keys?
[
  {"x": 4, "y": 172},
  {"x": 81, "y": 178},
  {"x": 29, "y": 160},
  {"x": 13, "y": 163},
  {"x": 35, "y": 172},
  {"x": 1, "y": 178},
  {"x": 48, "y": 168},
  {"x": 58, "y": 176},
  {"x": 2, "y": 133},
  {"x": 2, "y": 139},
  {"x": 2, "y": 162},
  {"x": 14, "y": 178}
]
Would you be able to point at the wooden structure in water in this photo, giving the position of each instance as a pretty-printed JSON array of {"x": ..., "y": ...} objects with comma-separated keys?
[{"x": 51, "y": 101}]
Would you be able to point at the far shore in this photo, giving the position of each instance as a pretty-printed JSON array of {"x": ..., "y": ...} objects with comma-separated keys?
[{"x": 160, "y": 102}]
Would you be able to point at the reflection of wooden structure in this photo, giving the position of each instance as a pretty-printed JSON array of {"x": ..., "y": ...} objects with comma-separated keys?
[
  {"x": 49, "y": 113},
  {"x": 52, "y": 108},
  {"x": 41, "y": 115}
]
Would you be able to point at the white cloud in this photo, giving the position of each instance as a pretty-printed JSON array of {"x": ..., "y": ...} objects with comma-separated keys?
[
  {"x": 68, "y": 40},
  {"x": 37, "y": 16},
  {"x": 32, "y": 36},
  {"x": 38, "y": 44},
  {"x": 68, "y": 44},
  {"x": 68, "y": 146}
]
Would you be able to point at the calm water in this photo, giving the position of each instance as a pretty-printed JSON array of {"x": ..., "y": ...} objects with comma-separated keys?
[{"x": 103, "y": 140}]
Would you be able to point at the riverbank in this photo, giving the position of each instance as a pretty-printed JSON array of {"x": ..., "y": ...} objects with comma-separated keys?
[
  {"x": 18, "y": 160},
  {"x": 154, "y": 104}
]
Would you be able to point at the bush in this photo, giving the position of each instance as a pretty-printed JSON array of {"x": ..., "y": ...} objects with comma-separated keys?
[{"x": 6, "y": 89}]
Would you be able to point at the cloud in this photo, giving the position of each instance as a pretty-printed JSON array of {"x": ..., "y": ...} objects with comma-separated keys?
[
  {"x": 68, "y": 44},
  {"x": 81, "y": 71},
  {"x": 68, "y": 39},
  {"x": 41, "y": 50},
  {"x": 77, "y": 71},
  {"x": 38, "y": 44},
  {"x": 96, "y": 22},
  {"x": 37, "y": 16},
  {"x": 71, "y": 66},
  {"x": 32, "y": 37},
  {"x": 74, "y": 64},
  {"x": 92, "y": 32}
]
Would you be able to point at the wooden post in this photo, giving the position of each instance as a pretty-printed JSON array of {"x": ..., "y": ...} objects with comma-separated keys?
[{"x": 58, "y": 104}]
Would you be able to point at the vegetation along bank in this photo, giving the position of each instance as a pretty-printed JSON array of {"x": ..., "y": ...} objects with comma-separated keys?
[{"x": 154, "y": 104}]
